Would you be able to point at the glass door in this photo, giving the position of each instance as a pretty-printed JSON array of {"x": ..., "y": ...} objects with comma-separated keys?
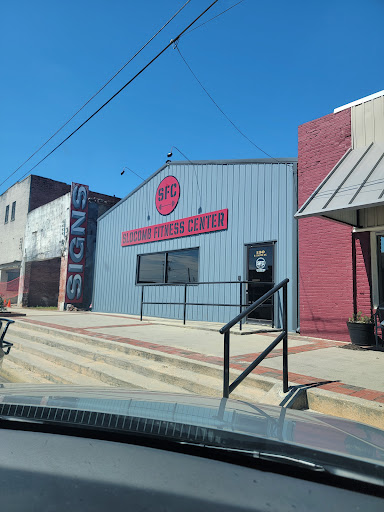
[{"x": 261, "y": 276}]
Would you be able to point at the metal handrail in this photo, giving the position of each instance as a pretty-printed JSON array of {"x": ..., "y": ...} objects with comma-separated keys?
[
  {"x": 185, "y": 303},
  {"x": 226, "y": 329},
  {"x": 253, "y": 306},
  {"x": 203, "y": 282},
  {"x": 5, "y": 346}
]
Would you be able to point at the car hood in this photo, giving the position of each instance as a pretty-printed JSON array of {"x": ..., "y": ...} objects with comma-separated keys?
[{"x": 301, "y": 428}]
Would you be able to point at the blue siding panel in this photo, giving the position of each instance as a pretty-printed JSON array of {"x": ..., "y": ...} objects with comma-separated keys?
[{"x": 261, "y": 198}]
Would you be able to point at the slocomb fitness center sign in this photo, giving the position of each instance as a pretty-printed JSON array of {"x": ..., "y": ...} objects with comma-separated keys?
[
  {"x": 167, "y": 195},
  {"x": 196, "y": 225},
  {"x": 77, "y": 243}
]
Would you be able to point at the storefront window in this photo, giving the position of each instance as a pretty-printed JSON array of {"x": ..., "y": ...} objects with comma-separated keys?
[
  {"x": 181, "y": 267},
  {"x": 151, "y": 268}
]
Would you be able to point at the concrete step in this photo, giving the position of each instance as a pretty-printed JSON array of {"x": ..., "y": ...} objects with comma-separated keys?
[
  {"x": 40, "y": 367},
  {"x": 12, "y": 372},
  {"x": 133, "y": 370},
  {"x": 105, "y": 372},
  {"x": 138, "y": 359}
]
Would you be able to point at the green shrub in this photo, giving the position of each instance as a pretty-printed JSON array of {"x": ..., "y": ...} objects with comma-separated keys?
[{"x": 359, "y": 318}]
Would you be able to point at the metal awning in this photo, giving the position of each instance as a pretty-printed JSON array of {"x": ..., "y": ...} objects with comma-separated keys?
[{"x": 354, "y": 184}]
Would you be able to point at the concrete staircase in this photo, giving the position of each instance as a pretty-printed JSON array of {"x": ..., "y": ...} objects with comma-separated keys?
[
  {"x": 47, "y": 355},
  {"x": 43, "y": 355}
]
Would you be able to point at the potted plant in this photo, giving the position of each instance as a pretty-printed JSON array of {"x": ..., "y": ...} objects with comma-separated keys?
[{"x": 361, "y": 329}]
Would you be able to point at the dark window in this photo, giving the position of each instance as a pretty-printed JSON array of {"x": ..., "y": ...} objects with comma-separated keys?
[
  {"x": 6, "y": 214},
  {"x": 151, "y": 268},
  {"x": 13, "y": 210},
  {"x": 181, "y": 267}
]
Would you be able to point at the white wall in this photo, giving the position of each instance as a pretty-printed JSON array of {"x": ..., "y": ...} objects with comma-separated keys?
[
  {"x": 12, "y": 233},
  {"x": 46, "y": 231}
]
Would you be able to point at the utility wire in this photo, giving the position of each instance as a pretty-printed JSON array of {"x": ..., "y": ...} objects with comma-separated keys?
[
  {"x": 181, "y": 153},
  {"x": 217, "y": 15},
  {"x": 219, "y": 108},
  {"x": 98, "y": 92},
  {"x": 193, "y": 167},
  {"x": 135, "y": 173},
  {"x": 122, "y": 88}
]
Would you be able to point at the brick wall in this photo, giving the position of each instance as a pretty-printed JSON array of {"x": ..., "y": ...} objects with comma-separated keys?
[
  {"x": 44, "y": 190},
  {"x": 325, "y": 247},
  {"x": 44, "y": 282},
  {"x": 362, "y": 273},
  {"x": 103, "y": 199}
]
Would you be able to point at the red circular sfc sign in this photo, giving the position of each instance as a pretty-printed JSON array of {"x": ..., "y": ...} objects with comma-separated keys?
[{"x": 167, "y": 195}]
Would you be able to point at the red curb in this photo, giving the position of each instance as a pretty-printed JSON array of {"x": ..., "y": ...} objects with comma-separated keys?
[
  {"x": 369, "y": 395},
  {"x": 344, "y": 391},
  {"x": 331, "y": 387}
]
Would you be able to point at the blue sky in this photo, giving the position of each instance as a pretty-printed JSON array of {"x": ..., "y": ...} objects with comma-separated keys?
[{"x": 270, "y": 65}]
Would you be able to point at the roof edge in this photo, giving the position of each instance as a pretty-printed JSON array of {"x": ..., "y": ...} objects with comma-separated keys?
[
  {"x": 358, "y": 102},
  {"x": 201, "y": 162}
]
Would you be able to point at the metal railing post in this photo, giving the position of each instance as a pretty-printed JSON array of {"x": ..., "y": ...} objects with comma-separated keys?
[
  {"x": 226, "y": 365},
  {"x": 241, "y": 302},
  {"x": 185, "y": 303},
  {"x": 141, "y": 307},
  {"x": 285, "y": 339}
]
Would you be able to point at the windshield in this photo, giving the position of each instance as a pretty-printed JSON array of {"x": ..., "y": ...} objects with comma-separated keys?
[{"x": 191, "y": 221}]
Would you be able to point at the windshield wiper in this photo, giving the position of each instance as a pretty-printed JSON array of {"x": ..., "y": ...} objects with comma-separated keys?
[
  {"x": 285, "y": 459},
  {"x": 270, "y": 457}
]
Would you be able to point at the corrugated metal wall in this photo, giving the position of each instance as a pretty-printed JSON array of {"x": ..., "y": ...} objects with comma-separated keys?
[
  {"x": 368, "y": 122},
  {"x": 371, "y": 217},
  {"x": 261, "y": 197}
]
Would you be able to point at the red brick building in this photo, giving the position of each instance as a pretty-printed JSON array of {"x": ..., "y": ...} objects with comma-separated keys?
[{"x": 341, "y": 216}]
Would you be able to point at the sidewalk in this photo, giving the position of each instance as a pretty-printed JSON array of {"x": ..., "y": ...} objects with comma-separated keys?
[{"x": 357, "y": 373}]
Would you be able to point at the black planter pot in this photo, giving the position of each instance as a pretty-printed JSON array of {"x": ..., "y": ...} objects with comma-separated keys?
[{"x": 361, "y": 334}]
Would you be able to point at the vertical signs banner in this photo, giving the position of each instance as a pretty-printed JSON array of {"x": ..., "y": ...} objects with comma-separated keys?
[{"x": 77, "y": 243}]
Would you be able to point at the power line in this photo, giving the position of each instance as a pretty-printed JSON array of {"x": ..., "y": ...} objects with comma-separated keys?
[
  {"x": 98, "y": 92},
  {"x": 220, "y": 109},
  {"x": 217, "y": 15},
  {"x": 193, "y": 167},
  {"x": 181, "y": 153},
  {"x": 135, "y": 173},
  {"x": 121, "y": 89}
]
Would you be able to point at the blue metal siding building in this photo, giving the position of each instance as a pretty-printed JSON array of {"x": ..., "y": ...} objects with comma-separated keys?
[{"x": 261, "y": 198}]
